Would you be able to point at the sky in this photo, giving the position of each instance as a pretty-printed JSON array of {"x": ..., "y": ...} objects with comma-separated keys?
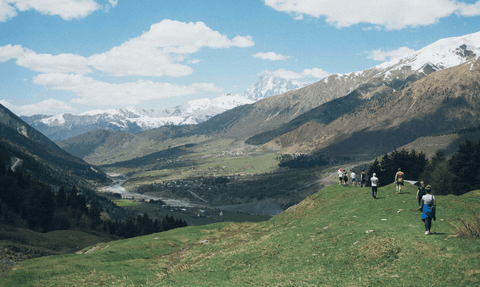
[{"x": 73, "y": 56}]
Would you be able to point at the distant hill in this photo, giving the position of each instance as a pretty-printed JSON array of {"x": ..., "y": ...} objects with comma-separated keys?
[{"x": 14, "y": 132}]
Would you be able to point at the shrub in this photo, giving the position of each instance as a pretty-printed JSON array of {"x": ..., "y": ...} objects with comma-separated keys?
[{"x": 470, "y": 228}]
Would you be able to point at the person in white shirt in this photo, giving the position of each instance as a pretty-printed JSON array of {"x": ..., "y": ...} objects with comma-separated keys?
[
  {"x": 352, "y": 176},
  {"x": 429, "y": 203},
  {"x": 374, "y": 183},
  {"x": 340, "y": 176}
]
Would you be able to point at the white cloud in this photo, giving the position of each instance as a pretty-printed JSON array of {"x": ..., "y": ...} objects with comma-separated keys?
[
  {"x": 194, "y": 61},
  {"x": 66, "y": 9},
  {"x": 380, "y": 55},
  {"x": 63, "y": 63},
  {"x": 469, "y": 10},
  {"x": 113, "y": 4},
  {"x": 270, "y": 56},
  {"x": 161, "y": 50},
  {"x": 92, "y": 92},
  {"x": 6, "y": 11},
  {"x": 45, "y": 63},
  {"x": 43, "y": 107},
  {"x": 290, "y": 75},
  {"x": 391, "y": 14},
  {"x": 12, "y": 52},
  {"x": 316, "y": 73},
  {"x": 7, "y": 105},
  {"x": 157, "y": 52}
]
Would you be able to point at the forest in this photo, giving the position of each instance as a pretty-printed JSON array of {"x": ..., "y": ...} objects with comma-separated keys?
[
  {"x": 457, "y": 175},
  {"x": 29, "y": 203}
]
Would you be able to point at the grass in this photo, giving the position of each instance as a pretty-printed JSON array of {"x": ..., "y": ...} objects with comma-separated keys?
[
  {"x": 19, "y": 244},
  {"x": 125, "y": 202},
  {"x": 193, "y": 216},
  {"x": 339, "y": 236},
  {"x": 207, "y": 165}
]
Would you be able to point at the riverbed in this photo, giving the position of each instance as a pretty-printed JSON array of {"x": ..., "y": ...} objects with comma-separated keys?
[{"x": 117, "y": 187}]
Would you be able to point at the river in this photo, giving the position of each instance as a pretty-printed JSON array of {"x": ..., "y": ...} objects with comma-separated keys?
[{"x": 117, "y": 187}]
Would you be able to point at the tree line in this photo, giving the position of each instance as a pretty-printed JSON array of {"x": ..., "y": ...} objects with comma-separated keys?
[
  {"x": 457, "y": 175},
  {"x": 29, "y": 203}
]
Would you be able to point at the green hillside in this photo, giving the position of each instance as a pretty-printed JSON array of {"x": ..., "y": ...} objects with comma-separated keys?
[{"x": 339, "y": 236}]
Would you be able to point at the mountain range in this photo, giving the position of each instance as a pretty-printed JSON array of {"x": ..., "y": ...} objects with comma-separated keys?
[
  {"x": 135, "y": 119},
  {"x": 360, "y": 113}
]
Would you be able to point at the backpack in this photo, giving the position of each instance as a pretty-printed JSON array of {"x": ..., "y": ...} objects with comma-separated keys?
[
  {"x": 422, "y": 191},
  {"x": 400, "y": 177}
]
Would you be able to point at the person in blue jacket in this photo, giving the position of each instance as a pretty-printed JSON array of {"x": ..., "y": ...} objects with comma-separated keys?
[{"x": 429, "y": 203}]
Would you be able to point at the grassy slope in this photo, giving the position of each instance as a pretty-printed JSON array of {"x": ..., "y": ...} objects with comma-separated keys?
[
  {"x": 20, "y": 244},
  {"x": 320, "y": 241}
]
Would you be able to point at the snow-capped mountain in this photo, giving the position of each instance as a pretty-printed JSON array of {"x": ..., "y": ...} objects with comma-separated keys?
[
  {"x": 381, "y": 79},
  {"x": 392, "y": 75},
  {"x": 133, "y": 119},
  {"x": 264, "y": 120},
  {"x": 444, "y": 53},
  {"x": 269, "y": 85}
]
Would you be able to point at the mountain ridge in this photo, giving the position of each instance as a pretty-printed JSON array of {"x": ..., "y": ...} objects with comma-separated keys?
[
  {"x": 16, "y": 131},
  {"x": 445, "y": 100}
]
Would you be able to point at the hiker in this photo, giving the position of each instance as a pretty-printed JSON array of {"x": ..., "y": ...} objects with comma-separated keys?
[
  {"x": 340, "y": 176},
  {"x": 399, "y": 177},
  {"x": 363, "y": 179},
  {"x": 374, "y": 182},
  {"x": 345, "y": 178},
  {"x": 420, "y": 194},
  {"x": 352, "y": 176},
  {"x": 429, "y": 203}
]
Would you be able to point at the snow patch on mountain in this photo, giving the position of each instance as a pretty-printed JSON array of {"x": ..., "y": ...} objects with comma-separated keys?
[
  {"x": 192, "y": 112},
  {"x": 444, "y": 53},
  {"x": 134, "y": 119}
]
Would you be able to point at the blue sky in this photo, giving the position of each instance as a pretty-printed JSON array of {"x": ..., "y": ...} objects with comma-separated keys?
[{"x": 73, "y": 56}]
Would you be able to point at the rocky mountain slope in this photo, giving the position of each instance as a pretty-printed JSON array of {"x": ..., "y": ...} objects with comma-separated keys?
[
  {"x": 445, "y": 100},
  {"x": 20, "y": 138}
]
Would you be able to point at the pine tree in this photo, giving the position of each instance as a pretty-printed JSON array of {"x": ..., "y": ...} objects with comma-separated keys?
[
  {"x": 465, "y": 165},
  {"x": 61, "y": 198}
]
